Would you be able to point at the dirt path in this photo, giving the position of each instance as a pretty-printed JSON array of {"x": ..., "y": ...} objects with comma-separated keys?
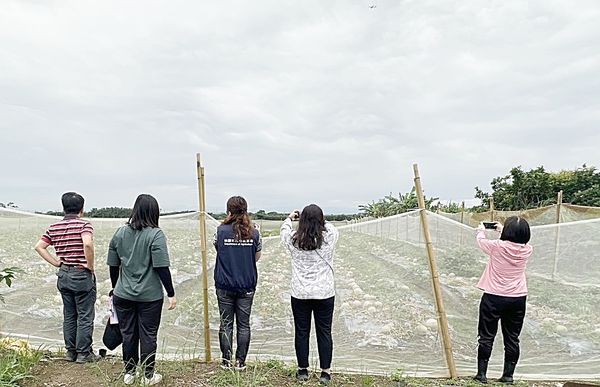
[{"x": 52, "y": 372}]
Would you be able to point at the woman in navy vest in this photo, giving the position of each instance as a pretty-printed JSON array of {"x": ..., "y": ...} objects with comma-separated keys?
[{"x": 238, "y": 246}]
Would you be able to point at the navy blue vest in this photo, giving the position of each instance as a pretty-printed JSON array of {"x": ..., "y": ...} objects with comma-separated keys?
[{"x": 235, "y": 269}]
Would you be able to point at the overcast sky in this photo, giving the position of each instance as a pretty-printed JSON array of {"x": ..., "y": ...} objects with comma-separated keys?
[{"x": 290, "y": 102}]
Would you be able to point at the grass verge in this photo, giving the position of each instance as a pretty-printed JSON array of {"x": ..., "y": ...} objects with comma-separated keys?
[
  {"x": 17, "y": 360},
  {"x": 22, "y": 366}
]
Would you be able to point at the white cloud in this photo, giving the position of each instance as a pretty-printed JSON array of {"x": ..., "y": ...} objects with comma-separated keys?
[{"x": 289, "y": 103}]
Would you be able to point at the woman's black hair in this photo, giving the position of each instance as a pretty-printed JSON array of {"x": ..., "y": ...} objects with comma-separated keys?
[
  {"x": 145, "y": 213},
  {"x": 237, "y": 214},
  {"x": 516, "y": 229},
  {"x": 311, "y": 227}
]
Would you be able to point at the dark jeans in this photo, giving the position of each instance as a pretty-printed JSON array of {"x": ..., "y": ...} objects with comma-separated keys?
[
  {"x": 511, "y": 312},
  {"x": 77, "y": 287},
  {"x": 139, "y": 322},
  {"x": 238, "y": 304},
  {"x": 323, "y": 311}
]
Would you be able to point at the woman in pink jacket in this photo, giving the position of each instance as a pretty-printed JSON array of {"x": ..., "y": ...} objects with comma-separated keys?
[{"x": 505, "y": 293}]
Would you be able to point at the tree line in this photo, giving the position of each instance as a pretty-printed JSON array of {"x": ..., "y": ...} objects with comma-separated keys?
[
  {"x": 518, "y": 190},
  {"x": 111, "y": 212},
  {"x": 280, "y": 216}
]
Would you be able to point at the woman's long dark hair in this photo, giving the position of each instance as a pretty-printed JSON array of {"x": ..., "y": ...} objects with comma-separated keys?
[
  {"x": 516, "y": 229},
  {"x": 145, "y": 213},
  {"x": 237, "y": 214},
  {"x": 310, "y": 228}
]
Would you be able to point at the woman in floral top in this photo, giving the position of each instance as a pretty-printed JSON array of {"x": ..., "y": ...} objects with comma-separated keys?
[{"x": 312, "y": 248}]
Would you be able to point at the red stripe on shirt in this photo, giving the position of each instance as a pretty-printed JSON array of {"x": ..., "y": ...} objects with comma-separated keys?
[{"x": 65, "y": 236}]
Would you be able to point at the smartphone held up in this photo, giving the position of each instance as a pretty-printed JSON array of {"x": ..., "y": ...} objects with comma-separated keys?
[{"x": 490, "y": 225}]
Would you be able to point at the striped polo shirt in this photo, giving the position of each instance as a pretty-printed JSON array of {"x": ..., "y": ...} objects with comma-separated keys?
[{"x": 65, "y": 237}]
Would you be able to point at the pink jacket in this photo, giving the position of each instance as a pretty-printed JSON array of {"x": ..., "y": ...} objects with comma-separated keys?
[{"x": 504, "y": 274}]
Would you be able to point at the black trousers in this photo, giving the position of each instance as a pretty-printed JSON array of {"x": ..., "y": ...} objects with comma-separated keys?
[
  {"x": 511, "y": 312},
  {"x": 238, "y": 305},
  {"x": 138, "y": 322},
  {"x": 323, "y": 312}
]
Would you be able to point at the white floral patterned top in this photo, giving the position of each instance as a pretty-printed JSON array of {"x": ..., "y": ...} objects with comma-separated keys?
[{"x": 312, "y": 270}]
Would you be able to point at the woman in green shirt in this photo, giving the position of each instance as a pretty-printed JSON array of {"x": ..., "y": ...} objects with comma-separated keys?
[{"x": 139, "y": 268}]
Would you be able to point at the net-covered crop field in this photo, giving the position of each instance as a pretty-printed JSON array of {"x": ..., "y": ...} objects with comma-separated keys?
[{"x": 385, "y": 315}]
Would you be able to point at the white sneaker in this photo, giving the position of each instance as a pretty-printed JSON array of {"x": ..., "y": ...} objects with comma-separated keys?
[
  {"x": 128, "y": 378},
  {"x": 155, "y": 379}
]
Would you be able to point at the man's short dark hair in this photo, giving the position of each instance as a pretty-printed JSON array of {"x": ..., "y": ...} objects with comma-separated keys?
[
  {"x": 516, "y": 229},
  {"x": 72, "y": 203}
]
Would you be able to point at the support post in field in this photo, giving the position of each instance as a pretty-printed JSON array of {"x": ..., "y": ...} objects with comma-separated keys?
[
  {"x": 462, "y": 221},
  {"x": 492, "y": 211},
  {"x": 437, "y": 288},
  {"x": 203, "y": 243},
  {"x": 557, "y": 234}
]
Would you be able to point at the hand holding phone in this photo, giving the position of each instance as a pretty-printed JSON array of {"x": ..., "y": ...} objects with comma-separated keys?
[{"x": 294, "y": 215}]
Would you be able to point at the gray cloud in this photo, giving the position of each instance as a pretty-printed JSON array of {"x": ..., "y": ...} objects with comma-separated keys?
[{"x": 290, "y": 103}]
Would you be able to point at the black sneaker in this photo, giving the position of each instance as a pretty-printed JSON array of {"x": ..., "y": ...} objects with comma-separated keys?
[
  {"x": 89, "y": 357},
  {"x": 226, "y": 364},
  {"x": 302, "y": 374},
  {"x": 325, "y": 378},
  {"x": 240, "y": 365},
  {"x": 71, "y": 356}
]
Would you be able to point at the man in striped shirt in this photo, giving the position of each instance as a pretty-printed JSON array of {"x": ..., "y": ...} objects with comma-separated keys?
[{"x": 72, "y": 239}]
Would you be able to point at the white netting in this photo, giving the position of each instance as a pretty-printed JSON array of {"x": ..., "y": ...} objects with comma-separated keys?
[
  {"x": 385, "y": 314},
  {"x": 535, "y": 216}
]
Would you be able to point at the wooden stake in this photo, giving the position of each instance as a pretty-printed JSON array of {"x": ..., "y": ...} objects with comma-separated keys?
[
  {"x": 437, "y": 289},
  {"x": 493, "y": 215},
  {"x": 203, "y": 243},
  {"x": 557, "y": 234},
  {"x": 559, "y": 205}
]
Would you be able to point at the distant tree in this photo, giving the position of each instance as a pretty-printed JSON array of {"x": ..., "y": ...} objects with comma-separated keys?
[
  {"x": 8, "y": 205},
  {"x": 218, "y": 215},
  {"x": 391, "y": 205},
  {"x": 54, "y": 213},
  {"x": 260, "y": 214},
  {"x": 451, "y": 207},
  {"x": 109, "y": 212},
  {"x": 177, "y": 212},
  {"x": 535, "y": 188}
]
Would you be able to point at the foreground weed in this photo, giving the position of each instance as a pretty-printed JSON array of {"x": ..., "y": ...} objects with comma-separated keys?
[
  {"x": 367, "y": 381},
  {"x": 398, "y": 376},
  {"x": 16, "y": 365}
]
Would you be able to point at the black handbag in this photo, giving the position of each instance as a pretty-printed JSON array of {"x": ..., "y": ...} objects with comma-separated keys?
[{"x": 112, "y": 337}]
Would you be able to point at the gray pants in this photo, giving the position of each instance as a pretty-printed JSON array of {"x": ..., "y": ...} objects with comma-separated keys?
[
  {"x": 77, "y": 287},
  {"x": 239, "y": 305}
]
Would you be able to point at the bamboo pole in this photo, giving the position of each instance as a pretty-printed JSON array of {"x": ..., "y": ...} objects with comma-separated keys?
[
  {"x": 492, "y": 211},
  {"x": 203, "y": 243},
  {"x": 437, "y": 289},
  {"x": 559, "y": 205},
  {"x": 557, "y": 234}
]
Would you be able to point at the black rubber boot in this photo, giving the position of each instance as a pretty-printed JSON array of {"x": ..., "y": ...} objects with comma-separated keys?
[
  {"x": 507, "y": 374},
  {"x": 482, "y": 366}
]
